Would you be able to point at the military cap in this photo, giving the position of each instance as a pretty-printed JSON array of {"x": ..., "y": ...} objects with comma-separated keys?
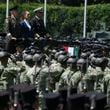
[
  {"x": 4, "y": 98},
  {"x": 99, "y": 98},
  {"x": 40, "y": 9},
  {"x": 15, "y": 8},
  {"x": 52, "y": 100},
  {"x": 77, "y": 101},
  {"x": 4, "y": 54}
]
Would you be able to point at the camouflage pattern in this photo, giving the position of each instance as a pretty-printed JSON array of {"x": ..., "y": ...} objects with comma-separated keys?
[
  {"x": 107, "y": 83},
  {"x": 90, "y": 78},
  {"x": 99, "y": 79},
  {"x": 55, "y": 71},
  {"x": 10, "y": 73},
  {"x": 43, "y": 85},
  {"x": 75, "y": 79},
  {"x": 43, "y": 78},
  {"x": 65, "y": 77}
]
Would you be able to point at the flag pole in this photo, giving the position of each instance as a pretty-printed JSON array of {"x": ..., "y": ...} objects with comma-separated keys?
[
  {"x": 7, "y": 15},
  {"x": 45, "y": 12},
  {"x": 85, "y": 18}
]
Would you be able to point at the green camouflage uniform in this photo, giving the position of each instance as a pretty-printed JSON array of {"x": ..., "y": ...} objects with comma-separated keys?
[
  {"x": 107, "y": 84},
  {"x": 75, "y": 79},
  {"x": 3, "y": 82},
  {"x": 23, "y": 72},
  {"x": 55, "y": 70},
  {"x": 64, "y": 79},
  {"x": 90, "y": 78},
  {"x": 99, "y": 80},
  {"x": 10, "y": 73},
  {"x": 28, "y": 77},
  {"x": 43, "y": 85}
]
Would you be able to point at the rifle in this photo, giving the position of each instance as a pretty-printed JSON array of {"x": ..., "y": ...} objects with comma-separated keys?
[{"x": 48, "y": 80}]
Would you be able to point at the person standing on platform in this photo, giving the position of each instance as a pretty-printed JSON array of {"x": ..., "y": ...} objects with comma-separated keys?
[
  {"x": 26, "y": 33},
  {"x": 13, "y": 30},
  {"x": 37, "y": 23}
]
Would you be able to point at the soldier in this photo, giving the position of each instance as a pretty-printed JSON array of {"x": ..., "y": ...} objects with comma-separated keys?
[
  {"x": 13, "y": 22},
  {"x": 107, "y": 82},
  {"x": 9, "y": 71},
  {"x": 90, "y": 75},
  {"x": 13, "y": 29},
  {"x": 37, "y": 68},
  {"x": 38, "y": 24},
  {"x": 41, "y": 80},
  {"x": 56, "y": 70},
  {"x": 19, "y": 51},
  {"x": 78, "y": 76},
  {"x": 69, "y": 71},
  {"x": 28, "y": 75},
  {"x": 101, "y": 65}
]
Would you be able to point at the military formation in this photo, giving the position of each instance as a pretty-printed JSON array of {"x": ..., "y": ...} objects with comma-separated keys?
[{"x": 41, "y": 74}]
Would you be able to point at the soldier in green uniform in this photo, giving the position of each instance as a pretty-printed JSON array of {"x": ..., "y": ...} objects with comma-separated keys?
[
  {"x": 107, "y": 82},
  {"x": 90, "y": 75},
  {"x": 28, "y": 75},
  {"x": 77, "y": 77},
  {"x": 41, "y": 78},
  {"x": 69, "y": 71},
  {"x": 9, "y": 70},
  {"x": 101, "y": 65},
  {"x": 56, "y": 69}
]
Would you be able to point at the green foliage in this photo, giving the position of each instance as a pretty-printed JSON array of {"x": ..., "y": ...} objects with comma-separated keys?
[{"x": 62, "y": 20}]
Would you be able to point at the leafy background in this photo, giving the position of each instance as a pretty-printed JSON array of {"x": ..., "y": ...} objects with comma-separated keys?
[{"x": 66, "y": 20}]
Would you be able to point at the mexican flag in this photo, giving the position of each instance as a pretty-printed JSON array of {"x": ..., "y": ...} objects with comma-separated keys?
[{"x": 72, "y": 51}]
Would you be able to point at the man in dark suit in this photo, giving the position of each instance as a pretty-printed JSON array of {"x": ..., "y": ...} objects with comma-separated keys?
[{"x": 37, "y": 23}]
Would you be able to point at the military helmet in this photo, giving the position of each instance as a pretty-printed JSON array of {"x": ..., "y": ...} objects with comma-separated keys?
[
  {"x": 36, "y": 57},
  {"x": 56, "y": 55},
  {"x": 61, "y": 58},
  {"x": 4, "y": 54},
  {"x": 93, "y": 59},
  {"x": 54, "y": 51},
  {"x": 28, "y": 58},
  {"x": 98, "y": 61},
  {"x": 81, "y": 61}
]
